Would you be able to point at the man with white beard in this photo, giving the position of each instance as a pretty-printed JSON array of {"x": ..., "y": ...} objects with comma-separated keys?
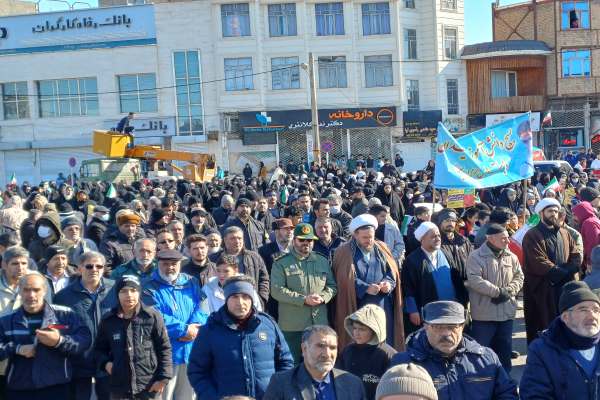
[{"x": 564, "y": 361}]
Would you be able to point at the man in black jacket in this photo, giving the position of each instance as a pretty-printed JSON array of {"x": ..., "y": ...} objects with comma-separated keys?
[
  {"x": 98, "y": 225},
  {"x": 133, "y": 347},
  {"x": 199, "y": 266},
  {"x": 254, "y": 231}
]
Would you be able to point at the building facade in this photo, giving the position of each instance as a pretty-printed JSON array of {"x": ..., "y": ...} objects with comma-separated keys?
[{"x": 194, "y": 72}]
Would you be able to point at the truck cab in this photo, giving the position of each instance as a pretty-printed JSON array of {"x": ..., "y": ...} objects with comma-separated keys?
[{"x": 117, "y": 170}]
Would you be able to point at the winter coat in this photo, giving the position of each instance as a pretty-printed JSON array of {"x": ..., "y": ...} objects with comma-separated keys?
[
  {"x": 76, "y": 251},
  {"x": 345, "y": 220},
  {"x": 474, "y": 372},
  {"x": 90, "y": 310},
  {"x": 220, "y": 215},
  {"x": 215, "y": 297},
  {"x": 589, "y": 228},
  {"x": 132, "y": 267},
  {"x": 51, "y": 365},
  {"x": 486, "y": 275},
  {"x": 229, "y": 360},
  {"x": 37, "y": 247},
  {"x": 359, "y": 206},
  {"x": 201, "y": 273},
  {"x": 180, "y": 304},
  {"x": 118, "y": 248},
  {"x": 254, "y": 232},
  {"x": 139, "y": 349},
  {"x": 394, "y": 241},
  {"x": 551, "y": 373}
]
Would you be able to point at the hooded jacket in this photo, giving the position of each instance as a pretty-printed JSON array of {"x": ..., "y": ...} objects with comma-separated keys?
[
  {"x": 38, "y": 246},
  {"x": 589, "y": 228}
]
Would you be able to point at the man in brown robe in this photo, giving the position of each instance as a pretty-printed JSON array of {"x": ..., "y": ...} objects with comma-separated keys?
[
  {"x": 550, "y": 259},
  {"x": 349, "y": 263}
]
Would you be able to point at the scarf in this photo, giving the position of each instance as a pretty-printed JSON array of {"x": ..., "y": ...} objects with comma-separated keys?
[
  {"x": 554, "y": 243},
  {"x": 574, "y": 340}
]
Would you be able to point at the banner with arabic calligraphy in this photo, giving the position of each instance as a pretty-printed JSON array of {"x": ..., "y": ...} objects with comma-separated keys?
[{"x": 489, "y": 157}]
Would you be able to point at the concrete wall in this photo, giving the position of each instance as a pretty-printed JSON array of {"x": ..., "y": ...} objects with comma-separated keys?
[{"x": 16, "y": 7}]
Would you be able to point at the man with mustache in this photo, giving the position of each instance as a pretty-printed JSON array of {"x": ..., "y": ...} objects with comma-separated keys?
[
  {"x": 460, "y": 367},
  {"x": 315, "y": 377},
  {"x": 563, "y": 361}
]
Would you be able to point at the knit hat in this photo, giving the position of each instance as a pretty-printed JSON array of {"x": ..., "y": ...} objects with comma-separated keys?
[
  {"x": 423, "y": 229},
  {"x": 371, "y": 316},
  {"x": 242, "y": 201},
  {"x": 53, "y": 250},
  {"x": 588, "y": 194},
  {"x": 407, "y": 379},
  {"x": 71, "y": 221},
  {"x": 236, "y": 286},
  {"x": 575, "y": 292},
  {"x": 446, "y": 213},
  {"x": 494, "y": 229},
  {"x": 128, "y": 281}
]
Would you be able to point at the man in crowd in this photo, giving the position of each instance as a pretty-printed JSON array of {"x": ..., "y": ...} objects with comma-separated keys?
[
  {"x": 494, "y": 280},
  {"x": 335, "y": 209},
  {"x": 322, "y": 209},
  {"x": 98, "y": 224},
  {"x": 387, "y": 231},
  {"x": 117, "y": 246},
  {"x": 198, "y": 223},
  {"x": 239, "y": 349},
  {"x": 440, "y": 346},
  {"x": 253, "y": 230},
  {"x": 47, "y": 233},
  {"x": 56, "y": 269},
  {"x": 366, "y": 273},
  {"x": 143, "y": 263},
  {"x": 328, "y": 241},
  {"x": 303, "y": 283},
  {"x": 178, "y": 297},
  {"x": 177, "y": 229},
  {"x": 406, "y": 382},
  {"x": 72, "y": 228},
  {"x": 315, "y": 377},
  {"x": 422, "y": 214},
  {"x": 90, "y": 296},
  {"x": 199, "y": 266}
]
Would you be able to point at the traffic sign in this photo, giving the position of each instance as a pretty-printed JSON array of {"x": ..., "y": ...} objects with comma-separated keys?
[
  {"x": 72, "y": 162},
  {"x": 327, "y": 146}
]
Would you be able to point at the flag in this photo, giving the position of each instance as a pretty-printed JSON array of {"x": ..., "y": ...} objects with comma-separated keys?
[
  {"x": 553, "y": 184},
  {"x": 405, "y": 223},
  {"x": 547, "y": 119},
  {"x": 111, "y": 193},
  {"x": 283, "y": 195},
  {"x": 13, "y": 179}
]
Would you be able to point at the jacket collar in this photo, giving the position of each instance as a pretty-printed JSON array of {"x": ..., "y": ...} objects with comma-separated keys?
[
  {"x": 487, "y": 252},
  {"x": 304, "y": 382},
  {"x": 222, "y": 317},
  {"x": 49, "y": 317}
]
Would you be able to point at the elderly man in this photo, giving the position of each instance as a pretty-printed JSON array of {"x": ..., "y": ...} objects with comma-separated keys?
[
  {"x": 39, "y": 340},
  {"x": 303, "y": 283},
  {"x": 366, "y": 273},
  {"x": 253, "y": 230},
  {"x": 90, "y": 296},
  {"x": 316, "y": 377},
  {"x": 239, "y": 349},
  {"x": 494, "y": 280},
  {"x": 426, "y": 274},
  {"x": 56, "y": 269},
  {"x": 143, "y": 263},
  {"x": 549, "y": 261},
  {"x": 440, "y": 347},
  {"x": 178, "y": 297},
  {"x": 117, "y": 246},
  {"x": 176, "y": 227},
  {"x": 198, "y": 223},
  {"x": 563, "y": 362},
  {"x": 199, "y": 266},
  {"x": 72, "y": 228}
]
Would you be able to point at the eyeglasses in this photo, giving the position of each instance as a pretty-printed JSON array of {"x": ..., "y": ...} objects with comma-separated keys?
[
  {"x": 586, "y": 310},
  {"x": 92, "y": 266},
  {"x": 304, "y": 240}
]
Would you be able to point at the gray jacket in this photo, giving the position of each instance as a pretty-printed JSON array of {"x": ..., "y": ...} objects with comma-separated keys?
[
  {"x": 486, "y": 275},
  {"x": 394, "y": 241},
  {"x": 296, "y": 384}
]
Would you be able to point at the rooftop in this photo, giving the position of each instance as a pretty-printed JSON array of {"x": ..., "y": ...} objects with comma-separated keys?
[{"x": 505, "y": 48}]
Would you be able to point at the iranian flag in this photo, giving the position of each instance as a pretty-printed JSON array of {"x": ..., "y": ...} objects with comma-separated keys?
[
  {"x": 553, "y": 184},
  {"x": 111, "y": 193},
  {"x": 405, "y": 223},
  {"x": 283, "y": 195},
  {"x": 13, "y": 180}
]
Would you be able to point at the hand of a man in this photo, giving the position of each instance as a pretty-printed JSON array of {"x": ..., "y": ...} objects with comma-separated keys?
[
  {"x": 158, "y": 386},
  {"x": 48, "y": 337},
  {"x": 192, "y": 330},
  {"x": 311, "y": 301},
  {"x": 415, "y": 318},
  {"x": 108, "y": 368},
  {"x": 26, "y": 350},
  {"x": 385, "y": 287},
  {"x": 373, "y": 289}
]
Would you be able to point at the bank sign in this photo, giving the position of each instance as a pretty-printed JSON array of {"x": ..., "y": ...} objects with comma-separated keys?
[{"x": 78, "y": 29}]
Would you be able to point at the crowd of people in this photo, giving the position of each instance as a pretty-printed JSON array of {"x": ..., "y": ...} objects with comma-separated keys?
[{"x": 325, "y": 283}]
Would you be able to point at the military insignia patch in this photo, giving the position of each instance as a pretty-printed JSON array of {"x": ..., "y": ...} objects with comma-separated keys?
[
  {"x": 305, "y": 230},
  {"x": 262, "y": 336}
]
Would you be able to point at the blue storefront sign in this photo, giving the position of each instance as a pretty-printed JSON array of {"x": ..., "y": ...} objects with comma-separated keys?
[{"x": 78, "y": 29}]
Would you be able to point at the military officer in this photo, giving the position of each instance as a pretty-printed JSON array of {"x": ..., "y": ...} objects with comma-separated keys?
[{"x": 303, "y": 283}]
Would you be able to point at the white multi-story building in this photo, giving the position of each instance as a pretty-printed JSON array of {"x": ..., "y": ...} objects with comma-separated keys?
[{"x": 209, "y": 76}]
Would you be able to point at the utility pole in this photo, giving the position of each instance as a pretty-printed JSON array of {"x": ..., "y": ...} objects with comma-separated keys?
[{"x": 314, "y": 109}]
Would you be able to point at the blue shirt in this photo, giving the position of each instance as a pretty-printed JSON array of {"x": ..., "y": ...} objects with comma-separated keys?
[{"x": 325, "y": 389}]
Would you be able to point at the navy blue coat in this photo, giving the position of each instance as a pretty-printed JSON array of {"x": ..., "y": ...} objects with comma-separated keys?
[
  {"x": 90, "y": 311},
  {"x": 474, "y": 373},
  {"x": 551, "y": 373},
  {"x": 50, "y": 366},
  {"x": 226, "y": 361}
]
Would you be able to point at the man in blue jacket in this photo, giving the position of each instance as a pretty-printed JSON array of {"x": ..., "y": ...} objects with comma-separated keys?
[
  {"x": 38, "y": 340},
  {"x": 459, "y": 366},
  {"x": 90, "y": 296},
  {"x": 178, "y": 297},
  {"x": 564, "y": 362},
  {"x": 239, "y": 348}
]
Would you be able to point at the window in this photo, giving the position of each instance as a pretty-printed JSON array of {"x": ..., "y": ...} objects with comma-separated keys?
[
  {"x": 282, "y": 20},
  {"x": 410, "y": 44},
  {"x": 576, "y": 63},
  {"x": 332, "y": 72},
  {"x": 450, "y": 43},
  {"x": 376, "y": 18},
  {"x": 15, "y": 100},
  {"x": 190, "y": 114},
  {"x": 449, "y": 4},
  {"x": 285, "y": 73},
  {"x": 452, "y": 96},
  {"x": 68, "y": 97},
  {"x": 235, "y": 19},
  {"x": 138, "y": 93},
  {"x": 238, "y": 74},
  {"x": 504, "y": 84},
  {"x": 409, "y": 3},
  {"x": 330, "y": 19},
  {"x": 575, "y": 15},
  {"x": 379, "y": 71},
  {"x": 412, "y": 94}
]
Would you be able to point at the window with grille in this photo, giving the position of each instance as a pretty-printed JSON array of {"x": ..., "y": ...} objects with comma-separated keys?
[
  {"x": 238, "y": 74},
  {"x": 575, "y": 15},
  {"x": 282, "y": 20},
  {"x": 576, "y": 63},
  {"x": 285, "y": 73},
  {"x": 332, "y": 72},
  {"x": 137, "y": 93},
  {"x": 452, "y": 96},
  {"x": 190, "y": 113},
  {"x": 450, "y": 35},
  {"x": 449, "y": 4},
  {"x": 15, "y": 100},
  {"x": 235, "y": 19},
  {"x": 329, "y": 19},
  {"x": 410, "y": 44},
  {"x": 409, "y": 3},
  {"x": 412, "y": 95},
  {"x": 68, "y": 97},
  {"x": 504, "y": 84},
  {"x": 376, "y": 18},
  {"x": 379, "y": 71}
]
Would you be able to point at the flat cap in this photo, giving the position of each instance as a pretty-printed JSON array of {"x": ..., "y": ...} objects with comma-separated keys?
[
  {"x": 444, "y": 312},
  {"x": 172, "y": 255}
]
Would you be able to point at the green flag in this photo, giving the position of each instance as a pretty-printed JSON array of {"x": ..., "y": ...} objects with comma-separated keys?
[
  {"x": 111, "y": 193},
  {"x": 405, "y": 223},
  {"x": 283, "y": 195}
]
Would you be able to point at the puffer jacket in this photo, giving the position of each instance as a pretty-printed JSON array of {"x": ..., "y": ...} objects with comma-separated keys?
[
  {"x": 474, "y": 372},
  {"x": 50, "y": 366},
  {"x": 589, "y": 228},
  {"x": 118, "y": 248},
  {"x": 37, "y": 247},
  {"x": 552, "y": 373},
  {"x": 215, "y": 296},
  {"x": 180, "y": 304},
  {"x": 227, "y": 360},
  {"x": 486, "y": 275}
]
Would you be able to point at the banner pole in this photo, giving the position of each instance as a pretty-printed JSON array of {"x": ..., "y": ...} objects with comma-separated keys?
[
  {"x": 433, "y": 199},
  {"x": 525, "y": 182}
]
